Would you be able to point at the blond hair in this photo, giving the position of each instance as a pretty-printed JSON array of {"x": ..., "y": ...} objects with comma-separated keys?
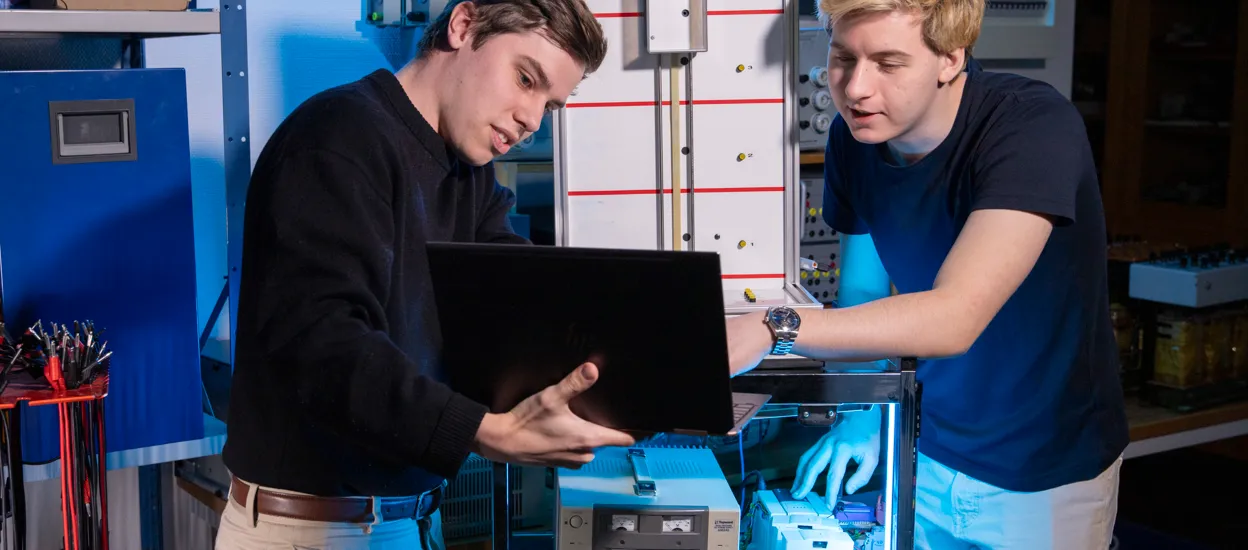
[{"x": 947, "y": 24}]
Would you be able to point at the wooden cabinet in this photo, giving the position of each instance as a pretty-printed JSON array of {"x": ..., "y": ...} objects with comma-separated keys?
[{"x": 1175, "y": 157}]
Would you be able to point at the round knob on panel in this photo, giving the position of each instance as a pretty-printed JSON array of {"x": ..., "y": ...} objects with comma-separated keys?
[
  {"x": 575, "y": 522},
  {"x": 821, "y": 122},
  {"x": 819, "y": 75},
  {"x": 821, "y": 100}
]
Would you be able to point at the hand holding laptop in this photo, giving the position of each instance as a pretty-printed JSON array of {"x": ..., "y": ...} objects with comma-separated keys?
[
  {"x": 749, "y": 342},
  {"x": 543, "y": 431}
]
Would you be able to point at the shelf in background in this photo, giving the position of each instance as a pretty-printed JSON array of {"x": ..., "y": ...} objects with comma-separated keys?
[
  {"x": 136, "y": 24},
  {"x": 1155, "y": 429},
  {"x": 811, "y": 158}
]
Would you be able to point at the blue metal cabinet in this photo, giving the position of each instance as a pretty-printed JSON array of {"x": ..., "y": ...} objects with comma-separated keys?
[{"x": 96, "y": 224}]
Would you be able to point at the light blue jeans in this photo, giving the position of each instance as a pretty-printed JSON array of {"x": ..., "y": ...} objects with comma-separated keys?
[{"x": 954, "y": 511}]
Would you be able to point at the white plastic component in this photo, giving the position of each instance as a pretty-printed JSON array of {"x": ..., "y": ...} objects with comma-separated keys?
[
  {"x": 813, "y": 537},
  {"x": 773, "y": 518}
]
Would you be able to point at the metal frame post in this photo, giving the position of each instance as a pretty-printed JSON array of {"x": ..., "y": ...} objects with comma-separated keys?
[
  {"x": 502, "y": 506},
  {"x": 235, "y": 107}
]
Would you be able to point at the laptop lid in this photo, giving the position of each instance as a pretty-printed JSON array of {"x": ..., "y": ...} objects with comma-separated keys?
[{"x": 516, "y": 318}]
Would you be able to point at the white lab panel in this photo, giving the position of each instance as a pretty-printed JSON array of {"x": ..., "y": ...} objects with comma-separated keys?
[
  {"x": 723, "y": 113},
  {"x": 751, "y": 249},
  {"x": 624, "y": 221},
  {"x": 676, "y": 26},
  {"x": 599, "y": 161}
]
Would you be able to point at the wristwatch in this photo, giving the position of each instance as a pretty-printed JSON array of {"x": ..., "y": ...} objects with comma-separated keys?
[{"x": 783, "y": 322}]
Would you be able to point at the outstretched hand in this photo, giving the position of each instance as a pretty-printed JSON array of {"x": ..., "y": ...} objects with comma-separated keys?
[{"x": 543, "y": 431}]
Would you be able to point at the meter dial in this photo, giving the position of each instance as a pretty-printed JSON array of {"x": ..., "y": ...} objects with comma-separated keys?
[
  {"x": 819, "y": 75},
  {"x": 821, "y": 122},
  {"x": 821, "y": 100},
  {"x": 623, "y": 523},
  {"x": 678, "y": 524}
]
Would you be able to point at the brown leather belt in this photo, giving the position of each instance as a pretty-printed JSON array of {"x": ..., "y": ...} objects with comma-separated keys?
[{"x": 337, "y": 509}]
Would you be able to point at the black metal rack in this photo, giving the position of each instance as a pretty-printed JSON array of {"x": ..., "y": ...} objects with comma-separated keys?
[{"x": 809, "y": 392}]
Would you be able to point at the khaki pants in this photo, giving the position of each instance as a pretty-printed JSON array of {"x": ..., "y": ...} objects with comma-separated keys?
[
  {"x": 243, "y": 529},
  {"x": 956, "y": 512}
]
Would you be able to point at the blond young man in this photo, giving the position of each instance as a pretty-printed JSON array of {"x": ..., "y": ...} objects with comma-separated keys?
[
  {"x": 980, "y": 194},
  {"x": 341, "y": 434}
]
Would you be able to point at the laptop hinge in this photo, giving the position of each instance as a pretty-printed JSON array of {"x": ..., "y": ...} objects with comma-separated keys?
[{"x": 643, "y": 484}]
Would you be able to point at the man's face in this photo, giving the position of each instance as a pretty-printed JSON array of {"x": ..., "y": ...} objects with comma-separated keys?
[
  {"x": 499, "y": 92},
  {"x": 882, "y": 76}
]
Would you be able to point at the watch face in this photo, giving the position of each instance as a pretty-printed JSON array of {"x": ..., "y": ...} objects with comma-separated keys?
[{"x": 785, "y": 318}]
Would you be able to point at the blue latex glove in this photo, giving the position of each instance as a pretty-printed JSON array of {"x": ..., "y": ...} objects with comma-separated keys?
[{"x": 856, "y": 436}]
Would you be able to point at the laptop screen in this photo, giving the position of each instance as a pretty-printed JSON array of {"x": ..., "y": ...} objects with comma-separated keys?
[{"x": 516, "y": 319}]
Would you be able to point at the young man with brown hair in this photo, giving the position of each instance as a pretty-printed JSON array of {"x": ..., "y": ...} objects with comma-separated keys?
[
  {"x": 340, "y": 429},
  {"x": 980, "y": 192}
]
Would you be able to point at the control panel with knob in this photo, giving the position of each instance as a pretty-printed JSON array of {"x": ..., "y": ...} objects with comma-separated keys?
[
  {"x": 814, "y": 104},
  {"x": 1192, "y": 277}
]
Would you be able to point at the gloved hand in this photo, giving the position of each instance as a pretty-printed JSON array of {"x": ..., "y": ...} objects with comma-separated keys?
[{"x": 857, "y": 436}]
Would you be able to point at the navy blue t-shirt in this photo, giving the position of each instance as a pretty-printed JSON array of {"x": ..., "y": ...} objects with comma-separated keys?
[{"x": 1036, "y": 402}]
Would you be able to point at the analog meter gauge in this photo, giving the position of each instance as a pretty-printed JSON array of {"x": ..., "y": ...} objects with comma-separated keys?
[
  {"x": 623, "y": 523},
  {"x": 678, "y": 524}
]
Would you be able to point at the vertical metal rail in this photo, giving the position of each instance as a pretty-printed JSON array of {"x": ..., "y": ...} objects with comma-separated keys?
[
  {"x": 235, "y": 109},
  {"x": 907, "y": 456},
  {"x": 502, "y": 506}
]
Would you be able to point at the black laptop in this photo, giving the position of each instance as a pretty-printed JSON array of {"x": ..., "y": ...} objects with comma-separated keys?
[{"x": 517, "y": 318}]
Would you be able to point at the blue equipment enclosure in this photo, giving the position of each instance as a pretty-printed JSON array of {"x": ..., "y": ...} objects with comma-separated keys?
[{"x": 96, "y": 224}]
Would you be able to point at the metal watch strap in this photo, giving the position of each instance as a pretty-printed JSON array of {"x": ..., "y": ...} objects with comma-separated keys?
[{"x": 782, "y": 346}]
